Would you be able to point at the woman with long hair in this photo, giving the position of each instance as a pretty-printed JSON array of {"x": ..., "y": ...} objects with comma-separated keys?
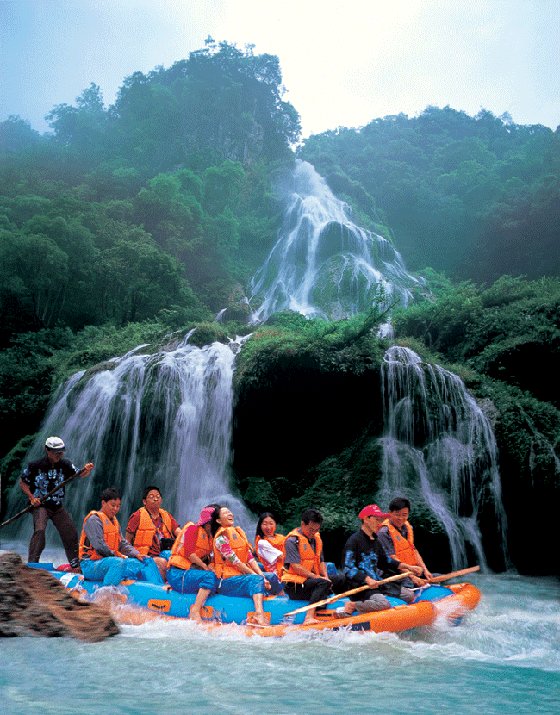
[
  {"x": 235, "y": 565},
  {"x": 269, "y": 545}
]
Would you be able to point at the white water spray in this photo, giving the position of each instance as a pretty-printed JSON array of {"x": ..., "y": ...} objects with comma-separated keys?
[
  {"x": 323, "y": 264},
  {"x": 162, "y": 419},
  {"x": 439, "y": 449}
]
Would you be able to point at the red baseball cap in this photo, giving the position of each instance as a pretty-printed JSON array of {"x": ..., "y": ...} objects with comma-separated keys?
[{"x": 372, "y": 510}]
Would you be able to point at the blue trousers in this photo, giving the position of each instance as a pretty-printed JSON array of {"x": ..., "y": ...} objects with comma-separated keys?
[
  {"x": 242, "y": 585},
  {"x": 111, "y": 570},
  {"x": 192, "y": 580}
]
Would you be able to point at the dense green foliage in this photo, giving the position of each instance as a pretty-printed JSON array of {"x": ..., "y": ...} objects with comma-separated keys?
[
  {"x": 138, "y": 219},
  {"x": 509, "y": 331},
  {"x": 319, "y": 385},
  {"x": 130, "y": 224},
  {"x": 159, "y": 203},
  {"x": 331, "y": 345},
  {"x": 477, "y": 197}
]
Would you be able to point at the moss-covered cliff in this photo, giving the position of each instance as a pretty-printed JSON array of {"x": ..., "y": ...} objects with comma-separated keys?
[{"x": 308, "y": 415}]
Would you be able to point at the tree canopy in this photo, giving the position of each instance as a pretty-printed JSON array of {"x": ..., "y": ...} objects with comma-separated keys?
[
  {"x": 130, "y": 221},
  {"x": 160, "y": 200},
  {"x": 477, "y": 197}
]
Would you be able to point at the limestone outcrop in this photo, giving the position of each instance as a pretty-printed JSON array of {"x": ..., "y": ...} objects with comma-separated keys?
[{"x": 33, "y": 603}]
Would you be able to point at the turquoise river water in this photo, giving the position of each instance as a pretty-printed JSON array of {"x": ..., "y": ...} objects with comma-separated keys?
[{"x": 504, "y": 658}]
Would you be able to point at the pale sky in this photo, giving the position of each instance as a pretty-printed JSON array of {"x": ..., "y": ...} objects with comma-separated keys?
[{"x": 343, "y": 63}]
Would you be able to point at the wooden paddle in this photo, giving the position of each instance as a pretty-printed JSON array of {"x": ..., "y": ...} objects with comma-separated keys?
[
  {"x": 447, "y": 576},
  {"x": 338, "y": 596},
  {"x": 48, "y": 494}
]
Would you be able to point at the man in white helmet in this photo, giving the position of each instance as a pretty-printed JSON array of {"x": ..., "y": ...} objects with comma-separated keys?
[{"x": 38, "y": 480}]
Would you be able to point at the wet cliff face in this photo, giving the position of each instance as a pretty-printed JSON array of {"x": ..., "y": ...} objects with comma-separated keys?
[
  {"x": 299, "y": 415},
  {"x": 306, "y": 435},
  {"x": 531, "y": 494}
]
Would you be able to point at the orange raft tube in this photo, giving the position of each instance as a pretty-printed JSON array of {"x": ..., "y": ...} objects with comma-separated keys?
[
  {"x": 399, "y": 618},
  {"x": 465, "y": 597}
]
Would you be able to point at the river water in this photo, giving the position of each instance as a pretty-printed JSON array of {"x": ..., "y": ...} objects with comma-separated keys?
[{"x": 504, "y": 658}]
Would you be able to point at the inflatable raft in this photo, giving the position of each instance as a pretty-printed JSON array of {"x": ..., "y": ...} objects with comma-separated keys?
[{"x": 451, "y": 601}]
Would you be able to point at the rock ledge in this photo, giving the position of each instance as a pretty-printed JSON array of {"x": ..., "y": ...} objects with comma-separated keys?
[{"x": 34, "y": 603}]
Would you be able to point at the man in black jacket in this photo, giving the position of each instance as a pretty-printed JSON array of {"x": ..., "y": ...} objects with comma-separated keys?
[
  {"x": 365, "y": 563},
  {"x": 40, "y": 478}
]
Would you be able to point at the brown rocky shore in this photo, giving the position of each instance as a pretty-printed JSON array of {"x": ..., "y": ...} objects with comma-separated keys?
[{"x": 33, "y": 603}]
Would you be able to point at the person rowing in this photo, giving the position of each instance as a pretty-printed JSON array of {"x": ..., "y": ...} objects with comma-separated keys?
[
  {"x": 39, "y": 482},
  {"x": 397, "y": 538},
  {"x": 366, "y": 564}
]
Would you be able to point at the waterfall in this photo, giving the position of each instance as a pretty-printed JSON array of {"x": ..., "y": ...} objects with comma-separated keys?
[
  {"x": 438, "y": 446},
  {"x": 162, "y": 419},
  {"x": 322, "y": 263},
  {"x": 165, "y": 418},
  {"x": 439, "y": 451}
]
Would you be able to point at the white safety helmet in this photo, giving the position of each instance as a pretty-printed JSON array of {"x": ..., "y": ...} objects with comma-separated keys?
[{"x": 54, "y": 443}]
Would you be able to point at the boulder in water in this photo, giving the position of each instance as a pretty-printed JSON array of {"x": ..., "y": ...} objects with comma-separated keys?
[{"x": 33, "y": 603}]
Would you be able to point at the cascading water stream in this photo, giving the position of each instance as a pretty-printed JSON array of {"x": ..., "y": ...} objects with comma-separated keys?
[
  {"x": 438, "y": 446},
  {"x": 439, "y": 449},
  {"x": 165, "y": 418},
  {"x": 162, "y": 418},
  {"x": 323, "y": 264}
]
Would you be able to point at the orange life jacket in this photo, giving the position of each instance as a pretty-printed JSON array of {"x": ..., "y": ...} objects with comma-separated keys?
[
  {"x": 404, "y": 548},
  {"x": 240, "y": 546},
  {"x": 111, "y": 535},
  {"x": 144, "y": 536},
  {"x": 278, "y": 542},
  {"x": 310, "y": 558},
  {"x": 202, "y": 548}
]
